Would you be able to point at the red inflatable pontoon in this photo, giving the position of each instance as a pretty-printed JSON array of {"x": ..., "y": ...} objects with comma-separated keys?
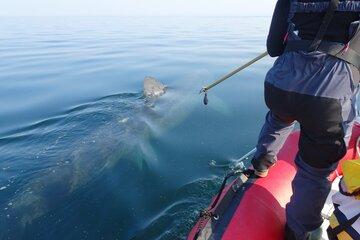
[{"x": 254, "y": 209}]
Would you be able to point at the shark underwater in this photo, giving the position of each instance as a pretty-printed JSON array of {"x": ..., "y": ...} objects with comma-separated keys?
[{"x": 101, "y": 134}]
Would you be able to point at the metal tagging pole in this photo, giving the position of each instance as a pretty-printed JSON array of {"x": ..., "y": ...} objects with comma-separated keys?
[{"x": 232, "y": 73}]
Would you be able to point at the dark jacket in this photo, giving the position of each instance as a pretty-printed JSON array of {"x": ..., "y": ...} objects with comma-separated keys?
[{"x": 307, "y": 24}]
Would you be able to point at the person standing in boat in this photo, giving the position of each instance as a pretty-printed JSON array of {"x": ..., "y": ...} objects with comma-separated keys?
[{"x": 314, "y": 81}]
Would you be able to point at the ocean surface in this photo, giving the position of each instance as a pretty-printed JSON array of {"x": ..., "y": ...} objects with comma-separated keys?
[{"x": 83, "y": 155}]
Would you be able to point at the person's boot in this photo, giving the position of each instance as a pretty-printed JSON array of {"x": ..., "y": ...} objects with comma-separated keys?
[
  {"x": 316, "y": 234},
  {"x": 262, "y": 164},
  {"x": 290, "y": 235}
]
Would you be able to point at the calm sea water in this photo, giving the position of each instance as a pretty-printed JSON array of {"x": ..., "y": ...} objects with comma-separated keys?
[{"x": 84, "y": 156}]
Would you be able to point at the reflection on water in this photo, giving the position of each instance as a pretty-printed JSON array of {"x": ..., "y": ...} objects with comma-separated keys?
[{"x": 84, "y": 155}]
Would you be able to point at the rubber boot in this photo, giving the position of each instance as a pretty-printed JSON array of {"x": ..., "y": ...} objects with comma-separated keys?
[
  {"x": 262, "y": 164},
  {"x": 316, "y": 234},
  {"x": 290, "y": 235}
]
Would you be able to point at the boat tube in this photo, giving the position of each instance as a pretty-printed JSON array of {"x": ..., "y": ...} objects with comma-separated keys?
[{"x": 254, "y": 208}]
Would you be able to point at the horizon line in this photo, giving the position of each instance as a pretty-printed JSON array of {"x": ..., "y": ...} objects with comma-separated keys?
[{"x": 135, "y": 16}]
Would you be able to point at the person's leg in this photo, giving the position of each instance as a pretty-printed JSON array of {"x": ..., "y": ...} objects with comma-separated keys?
[
  {"x": 279, "y": 123},
  {"x": 325, "y": 128},
  {"x": 310, "y": 190},
  {"x": 271, "y": 139}
]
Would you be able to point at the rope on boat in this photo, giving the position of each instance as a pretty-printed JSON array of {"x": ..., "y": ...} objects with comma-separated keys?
[
  {"x": 232, "y": 73},
  {"x": 209, "y": 212}
]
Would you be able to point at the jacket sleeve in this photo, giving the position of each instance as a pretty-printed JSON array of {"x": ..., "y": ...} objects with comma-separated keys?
[{"x": 278, "y": 28}]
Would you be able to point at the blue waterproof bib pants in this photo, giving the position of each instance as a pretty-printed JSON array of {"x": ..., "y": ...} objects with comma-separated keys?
[{"x": 319, "y": 92}]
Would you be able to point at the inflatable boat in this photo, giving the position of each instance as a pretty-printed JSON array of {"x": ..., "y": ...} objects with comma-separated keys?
[{"x": 254, "y": 208}]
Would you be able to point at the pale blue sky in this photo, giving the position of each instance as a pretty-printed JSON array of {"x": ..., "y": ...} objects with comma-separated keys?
[{"x": 137, "y": 7}]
